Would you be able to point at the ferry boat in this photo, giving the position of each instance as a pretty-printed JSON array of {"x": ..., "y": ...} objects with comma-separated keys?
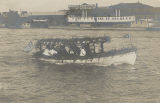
[{"x": 88, "y": 50}]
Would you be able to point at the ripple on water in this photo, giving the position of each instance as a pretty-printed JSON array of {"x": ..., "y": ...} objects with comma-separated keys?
[{"x": 25, "y": 80}]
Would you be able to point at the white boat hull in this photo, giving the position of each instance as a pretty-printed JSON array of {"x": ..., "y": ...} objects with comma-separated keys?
[{"x": 127, "y": 58}]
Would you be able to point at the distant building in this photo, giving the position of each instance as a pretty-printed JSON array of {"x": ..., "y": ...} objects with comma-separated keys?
[
  {"x": 46, "y": 19},
  {"x": 12, "y": 19},
  {"x": 88, "y": 15},
  {"x": 24, "y": 19}
]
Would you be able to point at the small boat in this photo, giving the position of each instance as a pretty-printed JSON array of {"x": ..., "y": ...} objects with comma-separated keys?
[{"x": 86, "y": 50}]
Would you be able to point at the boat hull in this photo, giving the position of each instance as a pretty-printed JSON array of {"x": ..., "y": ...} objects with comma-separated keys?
[{"x": 126, "y": 58}]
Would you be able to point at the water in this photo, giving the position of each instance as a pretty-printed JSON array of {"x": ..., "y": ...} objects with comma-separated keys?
[{"x": 24, "y": 79}]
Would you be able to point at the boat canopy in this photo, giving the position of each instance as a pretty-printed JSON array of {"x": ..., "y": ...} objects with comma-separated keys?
[{"x": 75, "y": 40}]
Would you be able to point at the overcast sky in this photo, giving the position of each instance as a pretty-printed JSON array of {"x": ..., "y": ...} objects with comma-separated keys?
[{"x": 54, "y": 5}]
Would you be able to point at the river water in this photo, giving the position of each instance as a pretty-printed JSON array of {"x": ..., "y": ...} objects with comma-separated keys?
[{"x": 24, "y": 79}]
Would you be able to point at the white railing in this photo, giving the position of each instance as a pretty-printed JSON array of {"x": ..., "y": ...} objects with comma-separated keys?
[
  {"x": 36, "y": 20},
  {"x": 101, "y": 19}
]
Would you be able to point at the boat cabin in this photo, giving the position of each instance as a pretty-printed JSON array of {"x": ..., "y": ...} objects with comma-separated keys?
[{"x": 74, "y": 47}]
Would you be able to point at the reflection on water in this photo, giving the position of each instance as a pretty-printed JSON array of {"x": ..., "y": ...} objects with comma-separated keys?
[{"x": 24, "y": 79}]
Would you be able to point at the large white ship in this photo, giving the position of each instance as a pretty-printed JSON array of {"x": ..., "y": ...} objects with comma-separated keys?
[{"x": 84, "y": 19}]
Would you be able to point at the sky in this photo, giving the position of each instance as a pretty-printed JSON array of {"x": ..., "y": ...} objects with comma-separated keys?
[{"x": 54, "y": 5}]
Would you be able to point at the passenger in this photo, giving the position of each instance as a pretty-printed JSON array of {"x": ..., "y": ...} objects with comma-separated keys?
[
  {"x": 75, "y": 49},
  {"x": 67, "y": 49},
  {"x": 87, "y": 48},
  {"x": 62, "y": 50},
  {"x": 92, "y": 47},
  {"x": 48, "y": 46},
  {"x": 88, "y": 51},
  {"x": 52, "y": 52},
  {"x": 48, "y": 52},
  {"x": 82, "y": 52},
  {"x": 52, "y": 46}
]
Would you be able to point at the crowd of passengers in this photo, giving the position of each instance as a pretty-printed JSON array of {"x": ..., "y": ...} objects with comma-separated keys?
[{"x": 80, "y": 49}]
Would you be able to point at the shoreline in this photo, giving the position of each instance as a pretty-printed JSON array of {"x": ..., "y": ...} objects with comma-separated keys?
[
  {"x": 100, "y": 28},
  {"x": 94, "y": 28}
]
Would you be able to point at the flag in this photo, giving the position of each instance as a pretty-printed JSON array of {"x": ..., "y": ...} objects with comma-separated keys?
[{"x": 29, "y": 47}]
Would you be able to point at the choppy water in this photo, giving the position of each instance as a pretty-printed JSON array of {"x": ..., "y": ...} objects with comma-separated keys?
[{"x": 26, "y": 80}]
